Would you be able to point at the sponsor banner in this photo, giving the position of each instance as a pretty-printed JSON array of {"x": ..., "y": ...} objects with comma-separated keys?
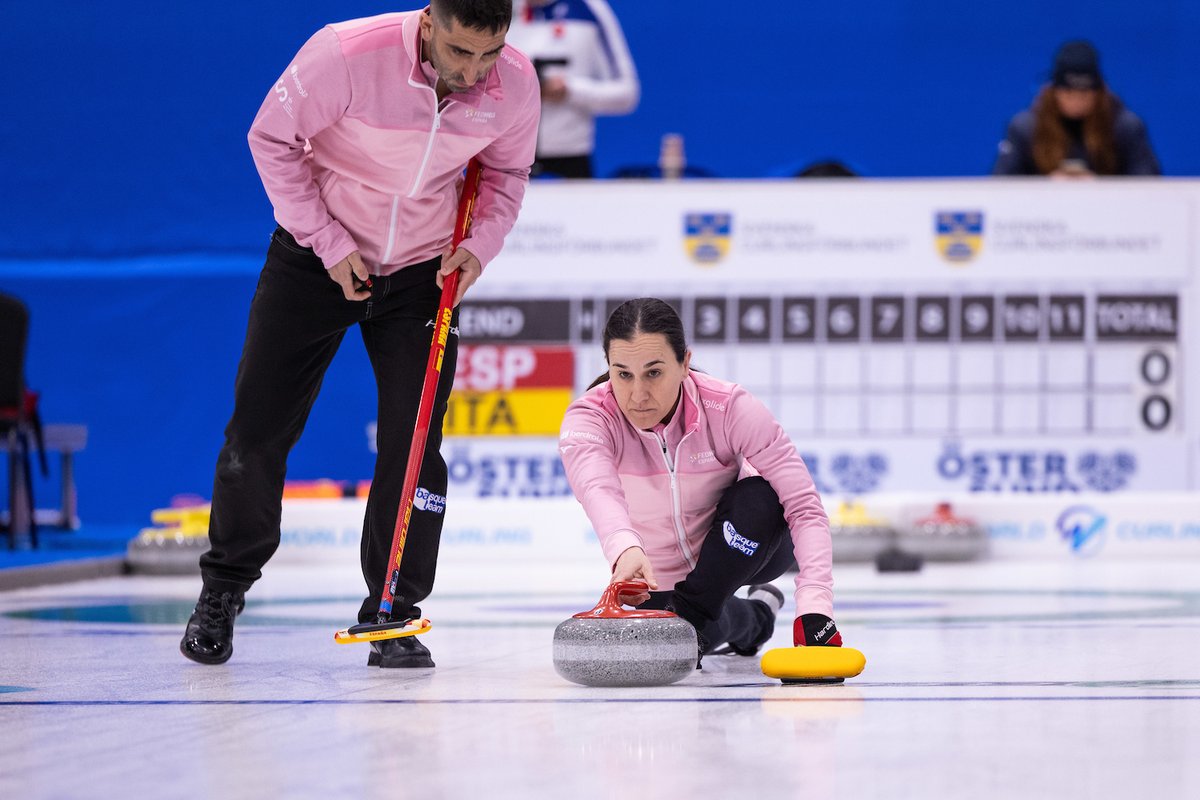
[
  {"x": 509, "y": 467},
  {"x": 556, "y": 529},
  {"x": 1007, "y": 466},
  {"x": 773, "y": 233},
  {"x": 1084, "y": 526},
  {"x": 504, "y": 466},
  {"x": 489, "y": 468}
]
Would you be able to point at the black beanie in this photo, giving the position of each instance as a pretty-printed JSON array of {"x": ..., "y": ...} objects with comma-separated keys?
[{"x": 1077, "y": 66}]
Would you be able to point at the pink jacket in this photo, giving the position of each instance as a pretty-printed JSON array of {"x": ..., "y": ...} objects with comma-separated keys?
[
  {"x": 638, "y": 493},
  {"x": 355, "y": 154}
]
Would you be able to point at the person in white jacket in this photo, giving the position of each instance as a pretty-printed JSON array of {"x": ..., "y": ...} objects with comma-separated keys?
[{"x": 585, "y": 70}]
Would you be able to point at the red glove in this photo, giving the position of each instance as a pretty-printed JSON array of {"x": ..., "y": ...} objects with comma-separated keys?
[{"x": 815, "y": 630}]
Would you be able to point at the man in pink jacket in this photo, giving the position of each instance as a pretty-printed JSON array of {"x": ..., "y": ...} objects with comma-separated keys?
[
  {"x": 360, "y": 146},
  {"x": 692, "y": 485}
]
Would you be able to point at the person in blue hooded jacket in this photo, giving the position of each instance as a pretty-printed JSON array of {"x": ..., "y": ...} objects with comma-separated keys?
[{"x": 1076, "y": 126}]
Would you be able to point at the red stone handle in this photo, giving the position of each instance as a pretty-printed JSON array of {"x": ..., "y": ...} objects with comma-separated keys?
[{"x": 610, "y": 606}]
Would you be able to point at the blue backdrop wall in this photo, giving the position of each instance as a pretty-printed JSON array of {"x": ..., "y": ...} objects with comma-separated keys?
[
  {"x": 134, "y": 222},
  {"x": 126, "y": 122}
]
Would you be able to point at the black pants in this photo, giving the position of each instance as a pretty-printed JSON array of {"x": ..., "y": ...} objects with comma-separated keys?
[
  {"x": 749, "y": 543},
  {"x": 297, "y": 320},
  {"x": 562, "y": 166}
]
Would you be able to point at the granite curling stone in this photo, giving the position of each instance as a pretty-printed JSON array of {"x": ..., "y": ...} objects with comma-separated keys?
[
  {"x": 174, "y": 545},
  {"x": 856, "y": 535},
  {"x": 946, "y": 536},
  {"x": 614, "y": 646}
]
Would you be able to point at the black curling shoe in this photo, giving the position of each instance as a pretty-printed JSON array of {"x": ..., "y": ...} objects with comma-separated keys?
[
  {"x": 407, "y": 652},
  {"x": 209, "y": 635}
]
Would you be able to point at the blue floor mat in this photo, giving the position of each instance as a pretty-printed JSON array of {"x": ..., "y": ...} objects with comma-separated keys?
[{"x": 56, "y": 546}]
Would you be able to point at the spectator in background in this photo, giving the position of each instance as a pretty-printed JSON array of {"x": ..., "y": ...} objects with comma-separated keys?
[
  {"x": 585, "y": 70},
  {"x": 829, "y": 168},
  {"x": 1076, "y": 126}
]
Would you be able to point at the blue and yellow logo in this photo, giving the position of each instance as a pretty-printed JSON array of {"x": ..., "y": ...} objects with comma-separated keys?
[
  {"x": 959, "y": 235},
  {"x": 707, "y": 236}
]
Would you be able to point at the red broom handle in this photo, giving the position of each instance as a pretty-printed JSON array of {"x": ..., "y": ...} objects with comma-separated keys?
[{"x": 433, "y": 371}]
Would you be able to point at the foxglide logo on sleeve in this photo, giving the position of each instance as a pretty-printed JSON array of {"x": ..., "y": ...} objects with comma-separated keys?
[
  {"x": 428, "y": 501},
  {"x": 737, "y": 541}
]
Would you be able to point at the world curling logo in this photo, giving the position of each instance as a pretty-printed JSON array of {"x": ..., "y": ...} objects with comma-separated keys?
[
  {"x": 737, "y": 541},
  {"x": 1082, "y": 529}
]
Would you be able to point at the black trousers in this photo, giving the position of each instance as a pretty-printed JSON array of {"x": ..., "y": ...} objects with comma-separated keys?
[
  {"x": 562, "y": 166},
  {"x": 297, "y": 320},
  {"x": 749, "y": 543}
]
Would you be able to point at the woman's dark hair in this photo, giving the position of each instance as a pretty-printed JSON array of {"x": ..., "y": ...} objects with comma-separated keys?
[
  {"x": 1051, "y": 140},
  {"x": 643, "y": 315}
]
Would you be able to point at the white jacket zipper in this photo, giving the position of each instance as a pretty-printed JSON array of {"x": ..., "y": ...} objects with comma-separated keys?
[
  {"x": 677, "y": 504},
  {"x": 437, "y": 123}
]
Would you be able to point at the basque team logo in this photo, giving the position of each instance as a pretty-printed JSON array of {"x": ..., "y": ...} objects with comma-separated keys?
[
  {"x": 707, "y": 235},
  {"x": 737, "y": 541},
  {"x": 959, "y": 235},
  {"x": 426, "y": 500}
]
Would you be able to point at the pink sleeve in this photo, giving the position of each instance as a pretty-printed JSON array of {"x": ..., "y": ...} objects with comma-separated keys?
[
  {"x": 312, "y": 94},
  {"x": 590, "y": 459},
  {"x": 506, "y": 163},
  {"x": 755, "y": 433}
]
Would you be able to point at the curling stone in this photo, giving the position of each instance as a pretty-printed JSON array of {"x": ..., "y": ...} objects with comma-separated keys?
[
  {"x": 175, "y": 546},
  {"x": 615, "y": 646},
  {"x": 945, "y": 536},
  {"x": 893, "y": 559},
  {"x": 856, "y": 535}
]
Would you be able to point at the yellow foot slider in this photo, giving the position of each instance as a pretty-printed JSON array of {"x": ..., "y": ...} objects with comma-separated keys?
[{"x": 813, "y": 664}]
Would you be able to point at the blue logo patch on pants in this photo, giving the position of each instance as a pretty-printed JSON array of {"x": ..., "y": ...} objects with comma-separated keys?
[
  {"x": 426, "y": 500},
  {"x": 736, "y": 540}
]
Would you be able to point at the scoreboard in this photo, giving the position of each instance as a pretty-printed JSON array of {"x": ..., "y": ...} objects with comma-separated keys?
[
  {"x": 892, "y": 365},
  {"x": 987, "y": 336}
]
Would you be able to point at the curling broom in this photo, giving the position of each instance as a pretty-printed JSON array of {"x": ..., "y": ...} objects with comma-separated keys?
[{"x": 384, "y": 626}]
